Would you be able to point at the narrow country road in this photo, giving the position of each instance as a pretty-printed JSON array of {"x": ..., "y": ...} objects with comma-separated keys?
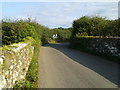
[{"x": 61, "y": 67}]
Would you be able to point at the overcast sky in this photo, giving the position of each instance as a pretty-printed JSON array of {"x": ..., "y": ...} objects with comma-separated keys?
[{"x": 58, "y": 14}]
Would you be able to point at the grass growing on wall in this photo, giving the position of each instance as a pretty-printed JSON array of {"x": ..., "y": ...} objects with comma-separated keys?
[{"x": 31, "y": 77}]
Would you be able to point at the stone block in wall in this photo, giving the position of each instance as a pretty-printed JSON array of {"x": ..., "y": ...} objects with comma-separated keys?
[{"x": 2, "y": 81}]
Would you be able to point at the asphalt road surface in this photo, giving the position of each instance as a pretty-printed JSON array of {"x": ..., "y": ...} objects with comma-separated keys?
[{"x": 61, "y": 67}]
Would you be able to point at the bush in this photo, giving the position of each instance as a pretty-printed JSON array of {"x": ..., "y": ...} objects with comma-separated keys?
[{"x": 96, "y": 26}]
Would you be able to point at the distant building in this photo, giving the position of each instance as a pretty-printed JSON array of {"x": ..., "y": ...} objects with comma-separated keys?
[{"x": 54, "y": 36}]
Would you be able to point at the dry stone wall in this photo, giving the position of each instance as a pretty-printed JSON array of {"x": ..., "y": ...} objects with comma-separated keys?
[
  {"x": 14, "y": 63},
  {"x": 108, "y": 46}
]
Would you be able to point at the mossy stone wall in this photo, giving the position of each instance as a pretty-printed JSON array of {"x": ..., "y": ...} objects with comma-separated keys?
[{"x": 14, "y": 63}]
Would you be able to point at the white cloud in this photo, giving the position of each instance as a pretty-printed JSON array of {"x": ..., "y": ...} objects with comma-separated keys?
[
  {"x": 119, "y": 9},
  {"x": 60, "y": 0},
  {"x": 62, "y": 14}
]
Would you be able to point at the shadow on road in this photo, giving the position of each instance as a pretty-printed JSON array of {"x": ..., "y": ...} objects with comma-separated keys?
[{"x": 105, "y": 68}]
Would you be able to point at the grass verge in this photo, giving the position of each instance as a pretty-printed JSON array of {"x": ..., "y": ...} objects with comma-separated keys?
[{"x": 32, "y": 74}]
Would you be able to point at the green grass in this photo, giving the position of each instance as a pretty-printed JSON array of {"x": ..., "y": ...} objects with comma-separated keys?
[{"x": 32, "y": 75}]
